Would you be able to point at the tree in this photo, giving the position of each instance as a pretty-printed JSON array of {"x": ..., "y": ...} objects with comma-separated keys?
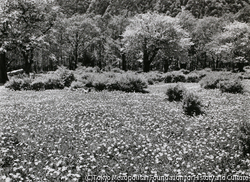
[
  {"x": 202, "y": 34},
  {"x": 4, "y": 28},
  {"x": 3, "y": 70},
  {"x": 113, "y": 48},
  {"x": 244, "y": 13},
  {"x": 149, "y": 33},
  {"x": 29, "y": 22},
  {"x": 74, "y": 6},
  {"x": 233, "y": 44},
  {"x": 80, "y": 35}
]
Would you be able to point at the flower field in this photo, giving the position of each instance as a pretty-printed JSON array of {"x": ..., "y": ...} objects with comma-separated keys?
[{"x": 63, "y": 135}]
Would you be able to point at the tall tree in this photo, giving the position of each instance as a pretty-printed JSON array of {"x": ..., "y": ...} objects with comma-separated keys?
[
  {"x": 151, "y": 32},
  {"x": 30, "y": 21},
  {"x": 80, "y": 35},
  {"x": 4, "y": 32},
  {"x": 202, "y": 34},
  {"x": 232, "y": 44}
]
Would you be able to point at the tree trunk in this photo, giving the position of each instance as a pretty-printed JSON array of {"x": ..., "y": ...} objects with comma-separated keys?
[
  {"x": 76, "y": 51},
  {"x": 27, "y": 62},
  {"x": 166, "y": 65},
  {"x": 3, "y": 69},
  {"x": 124, "y": 63},
  {"x": 146, "y": 63},
  {"x": 240, "y": 67}
]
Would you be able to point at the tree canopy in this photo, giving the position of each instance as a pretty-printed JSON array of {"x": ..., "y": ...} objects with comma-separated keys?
[
  {"x": 39, "y": 35},
  {"x": 149, "y": 33}
]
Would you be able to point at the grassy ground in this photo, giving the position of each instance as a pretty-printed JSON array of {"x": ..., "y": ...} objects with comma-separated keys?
[{"x": 62, "y": 135}]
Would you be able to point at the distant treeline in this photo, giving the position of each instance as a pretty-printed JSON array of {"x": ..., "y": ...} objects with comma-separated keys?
[{"x": 132, "y": 35}]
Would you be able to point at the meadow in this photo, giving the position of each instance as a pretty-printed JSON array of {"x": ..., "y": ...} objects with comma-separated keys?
[{"x": 65, "y": 135}]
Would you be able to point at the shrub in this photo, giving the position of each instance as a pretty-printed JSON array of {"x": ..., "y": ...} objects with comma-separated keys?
[
  {"x": 150, "y": 81},
  {"x": 93, "y": 69},
  {"x": 244, "y": 137},
  {"x": 208, "y": 69},
  {"x": 184, "y": 71},
  {"x": 86, "y": 76},
  {"x": 14, "y": 84},
  {"x": 110, "y": 74},
  {"x": 174, "y": 77},
  {"x": 26, "y": 85},
  {"x": 202, "y": 73},
  {"x": 169, "y": 78},
  {"x": 88, "y": 80},
  {"x": 65, "y": 75},
  {"x": 192, "y": 104},
  {"x": 37, "y": 85},
  {"x": 192, "y": 78},
  {"x": 179, "y": 78},
  {"x": 117, "y": 70},
  {"x": 153, "y": 77},
  {"x": 231, "y": 86},
  {"x": 175, "y": 93},
  {"x": 77, "y": 84},
  {"x": 128, "y": 83},
  {"x": 100, "y": 83},
  {"x": 136, "y": 83},
  {"x": 210, "y": 81},
  {"x": 53, "y": 82},
  {"x": 113, "y": 84}
]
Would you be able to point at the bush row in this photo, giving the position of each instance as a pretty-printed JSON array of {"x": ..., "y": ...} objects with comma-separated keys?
[
  {"x": 57, "y": 80},
  {"x": 128, "y": 82},
  {"x": 174, "y": 76},
  {"x": 191, "y": 103},
  {"x": 115, "y": 80},
  {"x": 223, "y": 81}
]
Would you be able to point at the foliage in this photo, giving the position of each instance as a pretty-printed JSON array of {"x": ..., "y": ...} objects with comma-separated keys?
[
  {"x": 192, "y": 104},
  {"x": 81, "y": 34},
  {"x": 153, "y": 77},
  {"x": 53, "y": 82},
  {"x": 66, "y": 76},
  {"x": 26, "y": 85},
  {"x": 92, "y": 69},
  {"x": 211, "y": 81},
  {"x": 175, "y": 93},
  {"x": 28, "y": 23},
  {"x": 193, "y": 78},
  {"x": 38, "y": 85},
  {"x": 231, "y": 86},
  {"x": 231, "y": 44},
  {"x": 174, "y": 77},
  {"x": 77, "y": 84},
  {"x": 184, "y": 71},
  {"x": 100, "y": 82},
  {"x": 117, "y": 70},
  {"x": 203, "y": 34},
  {"x": 149, "y": 33},
  {"x": 131, "y": 83},
  {"x": 14, "y": 84},
  {"x": 178, "y": 78},
  {"x": 128, "y": 82}
]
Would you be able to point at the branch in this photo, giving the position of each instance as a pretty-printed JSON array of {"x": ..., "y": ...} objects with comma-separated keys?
[{"x": 50, "y": 26}]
